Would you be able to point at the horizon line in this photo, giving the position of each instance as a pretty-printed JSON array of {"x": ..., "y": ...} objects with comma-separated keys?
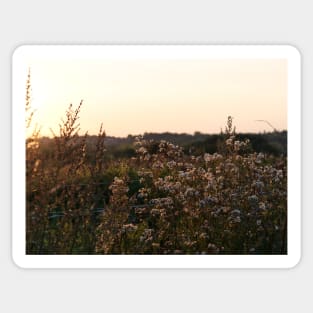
[{"x": 169, "y": 132}]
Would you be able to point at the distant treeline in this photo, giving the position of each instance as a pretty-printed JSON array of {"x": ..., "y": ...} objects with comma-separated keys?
[{"x": 117, "y": 147}]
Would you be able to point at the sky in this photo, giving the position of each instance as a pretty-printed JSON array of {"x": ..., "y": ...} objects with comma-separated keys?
[{"x": 158, "y": 95}]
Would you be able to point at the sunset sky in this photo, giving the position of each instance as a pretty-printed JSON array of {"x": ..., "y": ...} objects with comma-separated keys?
[{"x": 133, "y": 96}]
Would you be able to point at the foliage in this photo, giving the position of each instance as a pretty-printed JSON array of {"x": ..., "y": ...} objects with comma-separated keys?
[
  {"x": 231, "y": 202},
  {"x": 159, "y": 199}
]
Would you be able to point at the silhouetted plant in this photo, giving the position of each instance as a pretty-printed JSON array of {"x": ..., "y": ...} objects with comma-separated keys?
[{"x": 163, "y": 200}]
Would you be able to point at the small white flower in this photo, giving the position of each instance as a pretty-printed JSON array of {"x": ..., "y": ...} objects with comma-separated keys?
[
  {"x": 208, "y": 157},
  {"x": 229, "y": 142}
]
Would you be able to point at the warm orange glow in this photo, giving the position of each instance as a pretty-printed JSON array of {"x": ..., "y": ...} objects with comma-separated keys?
[{"x": 134, "y": 96}]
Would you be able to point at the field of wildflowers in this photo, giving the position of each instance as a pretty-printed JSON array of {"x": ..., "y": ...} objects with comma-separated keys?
[
  {"x": 161, "y": 201},
  {"x": 231, "y": 202}
]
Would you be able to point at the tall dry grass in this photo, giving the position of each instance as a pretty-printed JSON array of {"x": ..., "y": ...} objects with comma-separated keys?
[{"x": 163, "y": 201}]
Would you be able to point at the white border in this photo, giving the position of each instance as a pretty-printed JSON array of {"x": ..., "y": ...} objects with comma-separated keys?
[{"x": 156, "y": 52}]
